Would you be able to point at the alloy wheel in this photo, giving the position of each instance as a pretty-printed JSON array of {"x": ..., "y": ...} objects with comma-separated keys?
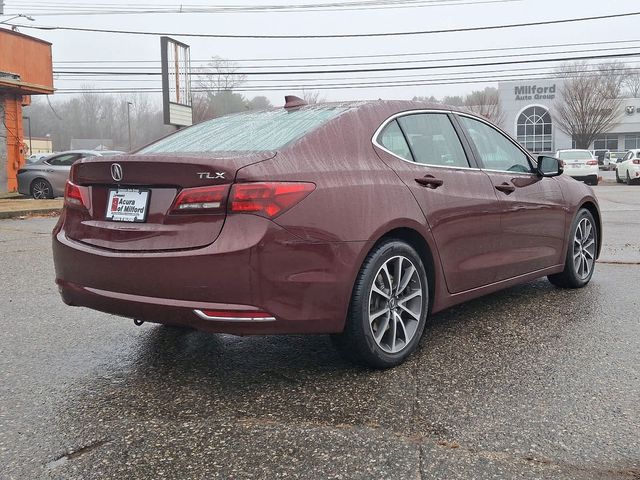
[
  {"x": 41, "y": 190},
  {"x": 395, "y": 304},
  {"x": 584, "y": 248}
]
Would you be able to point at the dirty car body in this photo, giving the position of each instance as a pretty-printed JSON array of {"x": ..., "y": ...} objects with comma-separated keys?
[{"x": 263, "y": 223}]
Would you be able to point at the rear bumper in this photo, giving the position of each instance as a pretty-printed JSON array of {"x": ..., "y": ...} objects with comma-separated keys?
[{"x": 253, "y": 265}]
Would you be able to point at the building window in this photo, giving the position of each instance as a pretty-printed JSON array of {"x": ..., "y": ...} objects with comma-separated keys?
[
  {"x": 606, "y": 142},
  {"x": 534, "y": 129},
  {"x": 632, "y": 141}
]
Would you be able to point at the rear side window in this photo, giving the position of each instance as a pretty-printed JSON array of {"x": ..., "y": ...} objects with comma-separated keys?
[
  {"x": 65, "y": 160},
  {"x": 393, "y": 140},
  {"x": 248, "y": 132},
  {"x": 433, "y": 140}
]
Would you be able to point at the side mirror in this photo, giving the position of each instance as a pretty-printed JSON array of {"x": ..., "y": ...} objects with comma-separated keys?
[{"x": 549, "y": 166}]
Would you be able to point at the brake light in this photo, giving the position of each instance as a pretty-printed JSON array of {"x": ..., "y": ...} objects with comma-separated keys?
[
  {"x": 76, "y": 196},
  {"x": 268, "y": 199},
  {"x": 636, "y": 161},
  {"x": 592, "y": 162},
  {"x": 201, "y": 200}
]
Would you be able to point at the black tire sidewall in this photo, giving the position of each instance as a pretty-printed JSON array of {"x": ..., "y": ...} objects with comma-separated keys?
[{"x": 360, "y": 303}]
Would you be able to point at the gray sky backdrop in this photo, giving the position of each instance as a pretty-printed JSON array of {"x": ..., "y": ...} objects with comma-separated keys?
[{"x": 91, "y": 47}]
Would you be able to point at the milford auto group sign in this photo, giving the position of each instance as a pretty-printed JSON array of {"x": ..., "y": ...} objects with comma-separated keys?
[{"x": 534, "y": 92}]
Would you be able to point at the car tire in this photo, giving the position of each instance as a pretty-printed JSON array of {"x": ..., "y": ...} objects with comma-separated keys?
[
  {"x": 581, "y": 253},
  {"x": 41, "y": 189},
  {"x": 618, "y": 179},
  {"x": 383, "y": 340},
  {"x": 628, "y": 179}
]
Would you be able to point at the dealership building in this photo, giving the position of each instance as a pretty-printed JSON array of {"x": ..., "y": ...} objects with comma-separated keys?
[{"x": 529, "y": 116}]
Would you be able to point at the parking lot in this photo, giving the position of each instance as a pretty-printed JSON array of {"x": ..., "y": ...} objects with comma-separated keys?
[{"x": 533, "y": 382}]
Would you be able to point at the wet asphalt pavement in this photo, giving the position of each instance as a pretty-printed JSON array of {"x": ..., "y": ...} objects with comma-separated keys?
[{"x": 533, "y": 382}]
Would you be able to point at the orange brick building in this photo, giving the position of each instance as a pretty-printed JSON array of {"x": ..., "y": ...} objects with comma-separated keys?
[{"x": 25, "y": 70}]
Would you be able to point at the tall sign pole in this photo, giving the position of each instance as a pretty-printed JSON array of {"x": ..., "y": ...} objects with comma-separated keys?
[{"x": 176, "y": 82}]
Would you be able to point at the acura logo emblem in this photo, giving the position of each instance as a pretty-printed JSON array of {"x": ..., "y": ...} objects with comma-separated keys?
[{"x": 116, "y": 172}]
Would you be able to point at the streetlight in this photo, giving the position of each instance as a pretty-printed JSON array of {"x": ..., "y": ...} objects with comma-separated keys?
[{"x": 129, "y": 121}]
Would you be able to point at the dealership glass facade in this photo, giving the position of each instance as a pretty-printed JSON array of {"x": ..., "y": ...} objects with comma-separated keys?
[
  {"x": 606, "y": 142},
  {"x": 534, "y": 129},
  {"x": 632, "y": 141}
]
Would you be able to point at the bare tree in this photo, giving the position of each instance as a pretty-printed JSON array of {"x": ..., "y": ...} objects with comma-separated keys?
[
  {"x": 589, "y": 100},
  {"x": 486, "y": 103},
  {"x": 631, "y": 83},
  {"x": 220, "y": 75},
  {"x": 215, "y": 95},
  {"x": 312, "y": 96}
]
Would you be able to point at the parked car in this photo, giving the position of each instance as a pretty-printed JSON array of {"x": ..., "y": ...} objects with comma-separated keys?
[
  {"x": 352, "y": 219},
  {"x": 604, "y": 158},
  {"x": 628, "y": 169},
  {"x": 37, "y": 156},
  {"x": 580, "y": 164},
  {"x": 615, "y": 158},
  {"x": 47, "y": 176}
]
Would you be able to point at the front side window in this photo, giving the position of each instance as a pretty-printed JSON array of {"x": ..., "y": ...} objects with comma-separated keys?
[
  {"x": 433, "y": 140},
  {"x": 496, "y": 151},
  {"x": 248, "y": 132}
]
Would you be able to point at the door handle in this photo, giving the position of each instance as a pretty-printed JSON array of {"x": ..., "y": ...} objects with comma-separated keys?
[
  {"x": 429, "y": 181},
  {"x": 505, "y": 188}
]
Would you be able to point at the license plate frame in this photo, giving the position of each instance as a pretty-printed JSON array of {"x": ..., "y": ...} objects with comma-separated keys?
[{"x": 140, "y": 197}]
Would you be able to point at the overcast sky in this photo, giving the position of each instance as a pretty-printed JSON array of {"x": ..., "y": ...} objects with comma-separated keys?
[{"x": 81, "y": 46}]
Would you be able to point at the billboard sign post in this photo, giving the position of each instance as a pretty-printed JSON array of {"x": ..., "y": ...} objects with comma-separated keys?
[{"x": 176, "y": 82}]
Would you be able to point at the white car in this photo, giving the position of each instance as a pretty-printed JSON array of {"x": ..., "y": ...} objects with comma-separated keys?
[
  {"x": 628, "y": 168},
  {"x": 580, "y": 164}
]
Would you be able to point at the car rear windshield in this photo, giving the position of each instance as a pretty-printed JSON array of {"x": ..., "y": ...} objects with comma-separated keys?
[
  {"x": 247, "y": 132},
  {"x": 574, "y": 155}
]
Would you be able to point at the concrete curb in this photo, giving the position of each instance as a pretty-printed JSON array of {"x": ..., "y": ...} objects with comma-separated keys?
[{"x": 24, "y": 213}]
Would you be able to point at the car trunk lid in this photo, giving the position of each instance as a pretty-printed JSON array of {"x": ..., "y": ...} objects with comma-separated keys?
[{"x": 163, "y": 177}]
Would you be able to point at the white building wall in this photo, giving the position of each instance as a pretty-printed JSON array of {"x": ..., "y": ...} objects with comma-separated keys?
[{"x": 515, "y": 97}]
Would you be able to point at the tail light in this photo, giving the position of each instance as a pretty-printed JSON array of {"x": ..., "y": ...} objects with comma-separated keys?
[
  {"x": 76, "y": 196},
  {"x": 636, "y": 161},
  {"x": 268, "y": 199},
  {"x": 592, "y": 162},
  {"x": 201, "y": 200}
]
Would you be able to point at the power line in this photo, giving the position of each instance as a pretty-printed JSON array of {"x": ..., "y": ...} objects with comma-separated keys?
[
  {"x": 413, "y": 77},
  {"x": 370, "y": 70},
  {"x": 402, "y": 82},
  {"x": 343, "y": 35},
  {"x": 96, "y": 9},
  {"x": 380, "y": 55},
  {"x": 294, "y": 88},
  {"x": 475, "y": 57}
]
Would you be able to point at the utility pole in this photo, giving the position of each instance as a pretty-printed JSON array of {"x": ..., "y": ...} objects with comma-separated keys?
[{"x": 129, "y": 121}]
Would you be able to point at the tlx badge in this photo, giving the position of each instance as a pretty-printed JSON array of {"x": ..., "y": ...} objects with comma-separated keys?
[{"x": 210, "y": 175}]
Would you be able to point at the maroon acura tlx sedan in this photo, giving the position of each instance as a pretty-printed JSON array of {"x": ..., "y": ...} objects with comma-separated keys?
[{"x": 352, "y": 219}]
